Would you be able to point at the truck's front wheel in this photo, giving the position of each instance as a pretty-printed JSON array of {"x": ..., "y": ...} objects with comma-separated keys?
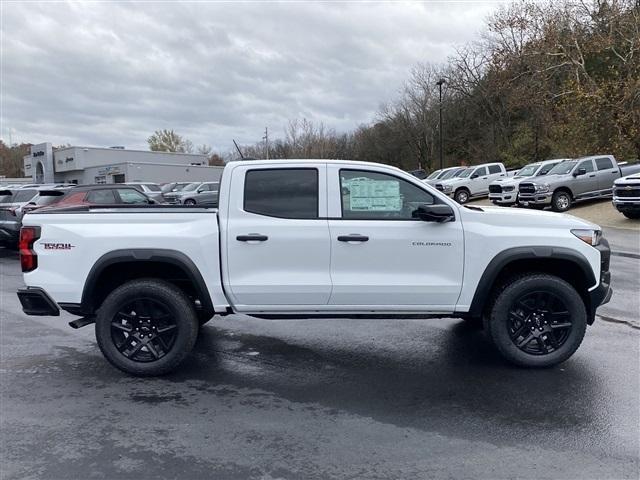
[
  {"x": 146, "y": 327},
  {"x": 538, "y": 320}
]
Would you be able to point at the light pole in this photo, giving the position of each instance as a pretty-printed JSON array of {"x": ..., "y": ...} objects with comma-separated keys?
[{"x": 440, "y": 83}]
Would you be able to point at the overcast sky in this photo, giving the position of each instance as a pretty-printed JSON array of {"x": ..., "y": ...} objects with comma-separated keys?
[{"x": 106, "y": 74}]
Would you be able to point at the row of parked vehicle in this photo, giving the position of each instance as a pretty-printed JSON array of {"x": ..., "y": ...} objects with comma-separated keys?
[
  {"x": 18, "y": 200},
  {"x": 556, "y": 183}
]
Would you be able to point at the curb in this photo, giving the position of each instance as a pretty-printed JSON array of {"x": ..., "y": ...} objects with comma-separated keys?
[{"x": 626, "y": 254}]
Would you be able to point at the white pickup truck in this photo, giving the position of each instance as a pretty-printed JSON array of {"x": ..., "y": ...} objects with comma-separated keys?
[{"x": 314, "y": 239}]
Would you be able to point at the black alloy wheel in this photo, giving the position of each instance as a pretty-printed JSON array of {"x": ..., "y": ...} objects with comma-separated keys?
[
  {"x": 144, "y": 330},
  {"x": 539, "y": 323}
]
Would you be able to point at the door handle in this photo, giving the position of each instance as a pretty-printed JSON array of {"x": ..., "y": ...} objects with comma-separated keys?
[
  {"x": 354, "y": 237},
  {"x": 252, "y": 237},
  {"x": 591, "y": 176}
]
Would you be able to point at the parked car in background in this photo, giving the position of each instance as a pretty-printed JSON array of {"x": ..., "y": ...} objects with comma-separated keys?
[
  {"x": 176, "y": 197},
  {"x": 472, "y": 182},
  {"x": 626, "y": 196},
  {"x": 572, "y": 181},
  {"x": 151, "y": 190},
  {"x": 45, "y": 198},
  {"x": 504, "y": 191},
  {"x": 443, "y": 174},
  {"x": 12, "y": 210},
  {"x": 103, "y": 194},
  {"x": 205, "y": 194},
  {"x": 173, "y": 187}
]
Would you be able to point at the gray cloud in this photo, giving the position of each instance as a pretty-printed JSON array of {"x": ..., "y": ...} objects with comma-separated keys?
[{"x": 111, "y": 73}]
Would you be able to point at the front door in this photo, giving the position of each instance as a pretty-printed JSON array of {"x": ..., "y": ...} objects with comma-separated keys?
[
  {"x": 277, "y": 238},
  {"x": 382, "y": 258},
  {"x": 586, "y": 184}
]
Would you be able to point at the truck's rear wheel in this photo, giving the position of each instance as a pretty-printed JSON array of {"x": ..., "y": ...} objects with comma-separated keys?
[
  {"x": 146, "y": 327},
  {"x": 538, "y": 320}
]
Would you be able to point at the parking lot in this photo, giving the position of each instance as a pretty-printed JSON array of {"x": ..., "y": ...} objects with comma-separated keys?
[{"x": 324, "y": 398}]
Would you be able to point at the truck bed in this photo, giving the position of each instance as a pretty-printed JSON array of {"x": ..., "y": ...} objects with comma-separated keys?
[{"x": 84, "y": 236}]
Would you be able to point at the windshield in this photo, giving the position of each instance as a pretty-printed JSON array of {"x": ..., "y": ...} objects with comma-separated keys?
[
  {"x": 191, "y": 187},
  {"x": 434, "y": 174},
  {"x": 449, "y": 173},
  {"x": 24, "y": 195},
  {"x": 465, "y": 173},
  {"x": 152, "y": 187},
  {"x": 459, "y": 172},
  {"x": 529, "y": 170},
  {"x": 563, "y": 167}
]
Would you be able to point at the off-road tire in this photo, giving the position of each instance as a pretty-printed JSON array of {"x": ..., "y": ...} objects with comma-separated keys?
[
  {"x": 497, "y": 320},
  {"x": 162, "y": 293}
]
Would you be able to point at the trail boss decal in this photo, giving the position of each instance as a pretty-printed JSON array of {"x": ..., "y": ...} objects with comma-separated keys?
[{"x": 58, "y": 246}]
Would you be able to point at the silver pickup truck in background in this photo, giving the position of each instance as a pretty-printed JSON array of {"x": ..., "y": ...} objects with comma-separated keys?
[
  {"x": 504, "y": 191},
  {"x": 572, "y": 181}
]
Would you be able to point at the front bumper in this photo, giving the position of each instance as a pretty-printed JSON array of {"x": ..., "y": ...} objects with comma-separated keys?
[
  {"x": 535, "y": 198},
  {"x": 603, "y": 292},
  {"x": 35, "y": 301},
  {"x": 626, "y": 204},
  {"x": 506, "y": 197}
]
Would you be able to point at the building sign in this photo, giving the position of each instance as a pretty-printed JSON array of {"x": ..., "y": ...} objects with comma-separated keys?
[{"x": 110, "y": 170}]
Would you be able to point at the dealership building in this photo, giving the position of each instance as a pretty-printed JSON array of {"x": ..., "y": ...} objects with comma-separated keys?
[{"x": 86, "y": 165}]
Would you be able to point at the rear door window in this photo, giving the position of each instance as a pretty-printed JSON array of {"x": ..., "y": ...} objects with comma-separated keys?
[
  {"x": 604, "y": 163},
  {"x": 494, "y": 169},
  {"x": 101, "y": 197},
  {"x": 282, "y": 192}
]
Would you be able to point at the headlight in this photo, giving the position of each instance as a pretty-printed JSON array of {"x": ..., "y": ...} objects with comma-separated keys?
[
  {"x": 447, "y": 188},
  {"x": 592, "y": 237},
  {"x": 542, "y": 188}
]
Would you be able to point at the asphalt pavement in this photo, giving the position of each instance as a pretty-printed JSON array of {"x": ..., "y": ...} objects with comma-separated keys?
[{"x": 320, "y": 399}]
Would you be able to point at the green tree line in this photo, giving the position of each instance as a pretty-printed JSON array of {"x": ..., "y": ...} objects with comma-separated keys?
[{"x": 554, "y": 79}]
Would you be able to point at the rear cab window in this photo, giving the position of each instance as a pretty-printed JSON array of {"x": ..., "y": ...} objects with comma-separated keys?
[{"x": 282, "y": 192}]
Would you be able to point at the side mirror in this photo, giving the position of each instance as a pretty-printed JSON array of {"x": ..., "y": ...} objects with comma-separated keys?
[
  {"x": 435, "y": 213},
  {"x": 475, "y": 175},
  {"x": 580, "y": 171}
]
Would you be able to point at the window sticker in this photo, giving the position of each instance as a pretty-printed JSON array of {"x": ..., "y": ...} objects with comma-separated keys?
[{"x": 374, "y": 195}]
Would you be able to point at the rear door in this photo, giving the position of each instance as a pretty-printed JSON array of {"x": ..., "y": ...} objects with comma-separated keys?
[
  {"x": 607, "y": 172},
  {"x": 277, "y": 238},
  {"x": 382, "y": 257}
]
